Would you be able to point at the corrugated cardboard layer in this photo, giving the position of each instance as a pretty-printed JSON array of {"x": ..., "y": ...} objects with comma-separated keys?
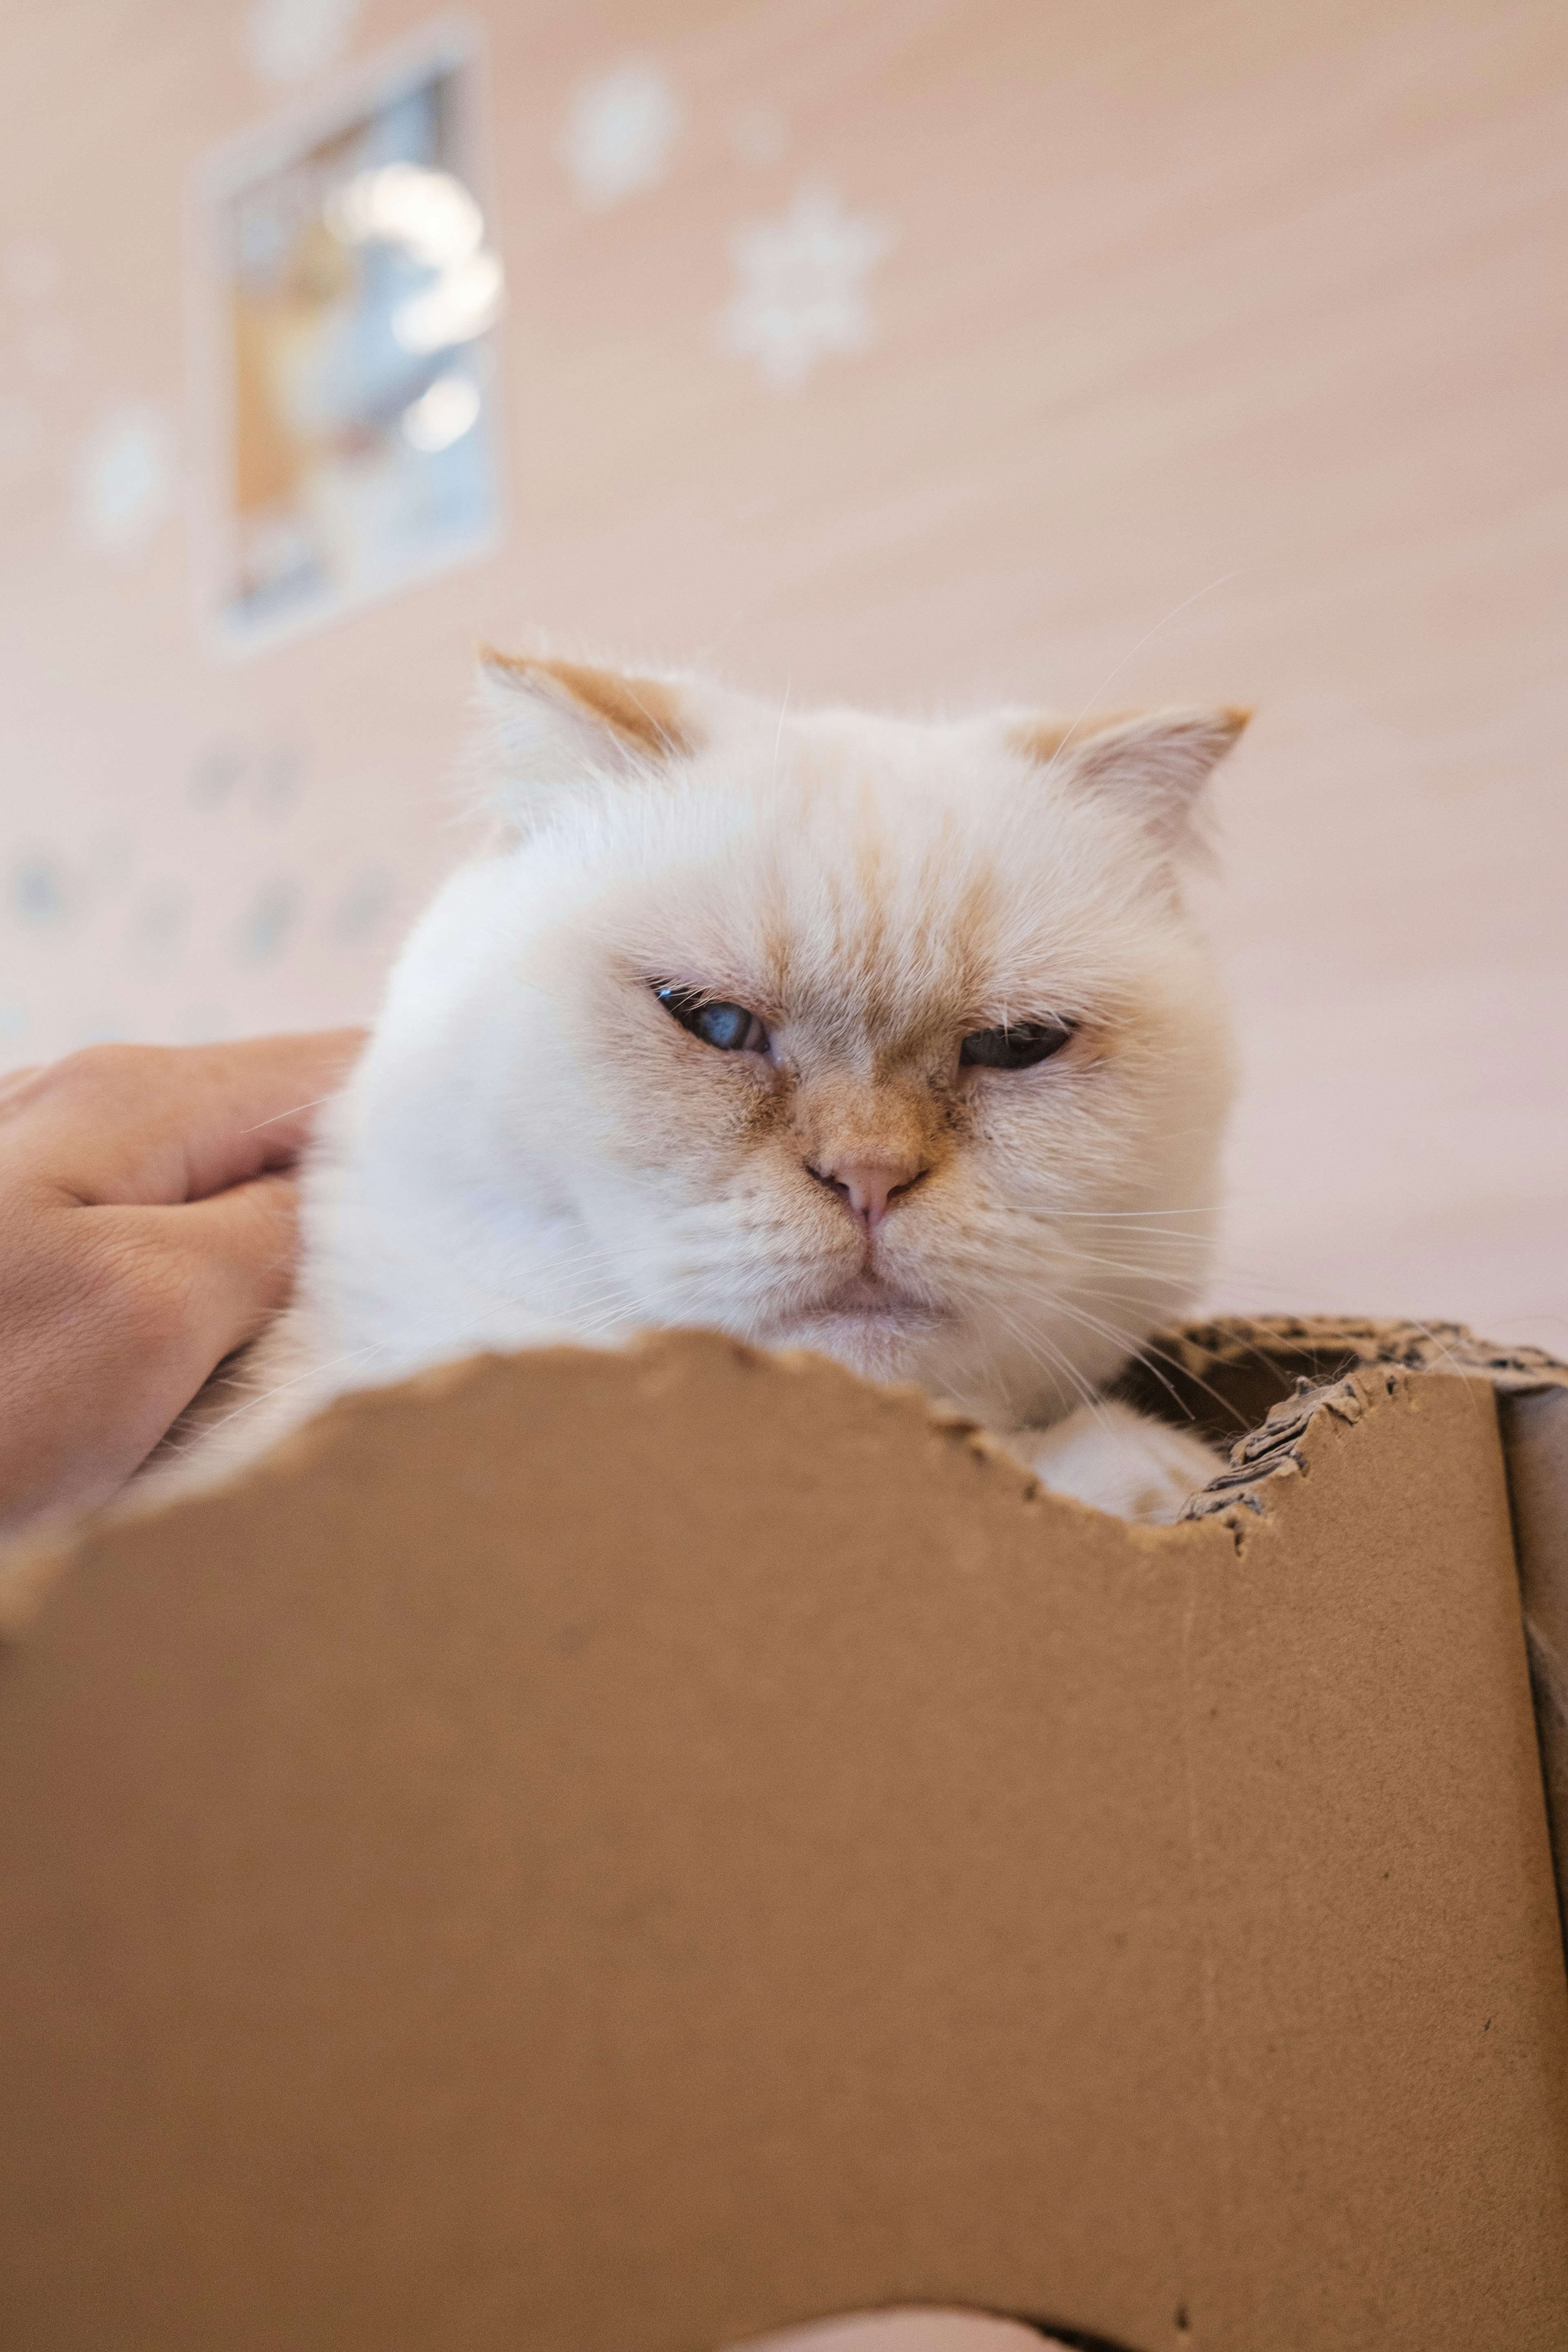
[
  {"x": 616, "y": 1854},
  {"x": 1535, "y": 1432},
  {"x": 1224, "y": 1378}
]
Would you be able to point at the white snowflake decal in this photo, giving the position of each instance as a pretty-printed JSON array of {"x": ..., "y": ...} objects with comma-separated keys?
[
  {"x": 803, "y": 287},
  {"x": 124, "y": 479},
  {"x": 288, "y": 40},
  {"x": 619, "y": 132}
]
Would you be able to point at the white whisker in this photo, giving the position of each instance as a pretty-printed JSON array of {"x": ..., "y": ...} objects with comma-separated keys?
[
  {"x": 293, "y": 1112},
  {"x": 1112, "y": 675}
]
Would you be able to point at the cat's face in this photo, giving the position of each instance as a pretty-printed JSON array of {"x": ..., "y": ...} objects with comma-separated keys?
[{"x": 888, "y": 1040}]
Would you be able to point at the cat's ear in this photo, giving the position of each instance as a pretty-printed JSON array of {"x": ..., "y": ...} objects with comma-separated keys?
[
  {"x": 1155, "y": 762},
  {"x": 557, "y": 723}
]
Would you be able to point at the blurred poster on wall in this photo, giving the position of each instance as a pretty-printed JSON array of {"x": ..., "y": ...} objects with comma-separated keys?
[{"x": 347, "y": 286}]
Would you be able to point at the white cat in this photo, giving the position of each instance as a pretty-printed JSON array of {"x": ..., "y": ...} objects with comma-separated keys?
[{"x": 890, "y": 1040}]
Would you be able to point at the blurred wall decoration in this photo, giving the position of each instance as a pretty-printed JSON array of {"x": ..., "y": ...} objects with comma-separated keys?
[
  {"x": 917, "y": 351},
  {"x": 350, "y": 292}
]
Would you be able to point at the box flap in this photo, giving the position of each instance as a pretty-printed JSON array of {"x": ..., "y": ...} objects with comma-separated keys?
[{"x": 631, "y": 1851}]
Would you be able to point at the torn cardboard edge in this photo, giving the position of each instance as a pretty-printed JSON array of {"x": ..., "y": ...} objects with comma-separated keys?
[
  {"x": 1273, "y": 1378},
  {"x": 1270, "y": 1378},
  {"x": 32, "y": 1561},
  {"x": 1254, "y": 1387},
  {"x": 1248, "y": 1386},
  {"x": 1216, "y": 1376},
  {"x": 1225, "y": 1378}
]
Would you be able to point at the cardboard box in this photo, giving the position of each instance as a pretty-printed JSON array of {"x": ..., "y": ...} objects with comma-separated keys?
[{"x": 617, "y": 1852}]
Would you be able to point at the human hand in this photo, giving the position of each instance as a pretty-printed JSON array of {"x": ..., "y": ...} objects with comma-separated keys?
[{"x": 147, "y": 1229}]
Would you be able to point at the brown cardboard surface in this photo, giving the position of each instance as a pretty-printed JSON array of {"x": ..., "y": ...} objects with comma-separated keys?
[{"x": 633, "y": 1851}]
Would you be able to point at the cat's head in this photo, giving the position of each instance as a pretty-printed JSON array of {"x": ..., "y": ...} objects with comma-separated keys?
[{"x": 889, "y": 1039}]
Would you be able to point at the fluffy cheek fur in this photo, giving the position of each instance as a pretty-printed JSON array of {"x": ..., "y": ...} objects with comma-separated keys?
[
  {"x": 1064, "y": 1211},
  {"x": 1080, "y": 1213},
  {"x": 687, "y": 1166}
]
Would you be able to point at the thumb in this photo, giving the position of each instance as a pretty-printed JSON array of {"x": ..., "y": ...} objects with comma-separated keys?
[{"x": 149, "y": 1302}]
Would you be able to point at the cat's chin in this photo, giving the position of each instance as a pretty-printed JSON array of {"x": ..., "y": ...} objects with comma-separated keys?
[{"x": 880, "y": 1336}]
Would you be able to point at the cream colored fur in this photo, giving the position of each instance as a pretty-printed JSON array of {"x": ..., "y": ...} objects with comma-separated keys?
[{"x": 532, "y": 1149}]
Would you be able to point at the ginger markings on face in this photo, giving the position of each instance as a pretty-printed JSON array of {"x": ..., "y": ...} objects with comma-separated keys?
[{"x": 886, "y": 1038}]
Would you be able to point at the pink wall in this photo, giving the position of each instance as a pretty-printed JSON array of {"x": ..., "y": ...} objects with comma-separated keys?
[{"x": 1236, "y": 324}]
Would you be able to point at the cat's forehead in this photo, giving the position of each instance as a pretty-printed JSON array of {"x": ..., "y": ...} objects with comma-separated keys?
[
  {"x": 882, "y": 905},
  {"x": 865, "y": 950},
  {"x": 851, "y": 759}
]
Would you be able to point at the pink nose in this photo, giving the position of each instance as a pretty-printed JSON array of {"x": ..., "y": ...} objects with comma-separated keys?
[{"x": 868, "y": 1187}]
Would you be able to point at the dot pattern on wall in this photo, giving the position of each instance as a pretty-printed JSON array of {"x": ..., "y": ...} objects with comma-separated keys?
[
  {"x": 124, "y": 480},
  {"x": 619, "y": 131},
  {"x": 220, "y": 911}
]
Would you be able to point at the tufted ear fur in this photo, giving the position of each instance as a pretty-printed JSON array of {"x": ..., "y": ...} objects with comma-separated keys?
[
  {"x": 1155, "y": 762},
  {"x": 555, "y": 723}
]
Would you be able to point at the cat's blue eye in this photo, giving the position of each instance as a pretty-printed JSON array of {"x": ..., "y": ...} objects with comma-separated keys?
[
  {"x": 728, "y": 1027},
  {"x": 1015, "y": 1048}
]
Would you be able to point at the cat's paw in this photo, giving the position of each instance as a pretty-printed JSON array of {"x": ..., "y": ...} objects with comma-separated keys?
[{"x": 1107, "y": 1455}]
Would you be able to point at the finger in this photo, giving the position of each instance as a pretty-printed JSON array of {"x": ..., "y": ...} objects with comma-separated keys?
[
  {"x": 273, "y": 1089},
  {"x": 120, "y": 1335},
  {"x": 150, "y": 1124},
  {"x": 235, "y": 1253}
]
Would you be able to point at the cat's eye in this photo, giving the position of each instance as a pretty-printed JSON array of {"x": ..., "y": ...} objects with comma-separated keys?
[
  {"x": 728, "y": 1027},
  {"x": 1017, "y": 1048}
]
